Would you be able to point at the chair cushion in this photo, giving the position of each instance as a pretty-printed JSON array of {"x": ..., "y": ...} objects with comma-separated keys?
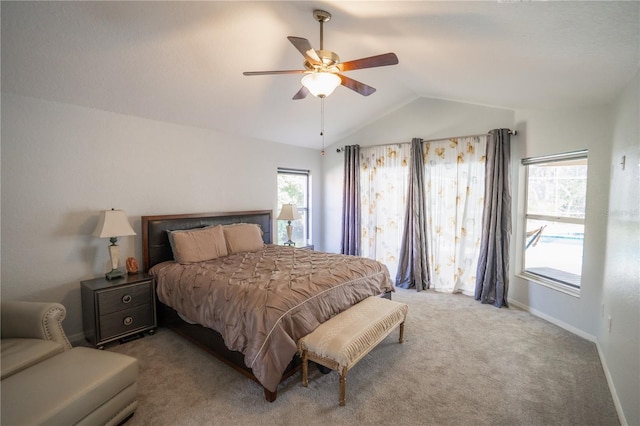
[
  {"x": 68, "y": 387},
  {"x": 18, "y": 354}
]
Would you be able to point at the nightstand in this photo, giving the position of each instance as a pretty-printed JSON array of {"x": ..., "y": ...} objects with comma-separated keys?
[
  {"x": 307, "y": 247},
  {"x": 119, "y": 308}
]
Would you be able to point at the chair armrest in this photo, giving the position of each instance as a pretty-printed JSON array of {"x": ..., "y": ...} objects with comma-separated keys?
[{"x": 34, "y": 320}]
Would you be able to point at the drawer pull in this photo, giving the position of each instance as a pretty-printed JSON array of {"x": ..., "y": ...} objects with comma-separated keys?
[
  {"x": 126, "y": 298},
  {"x": 127, "y": 320}
]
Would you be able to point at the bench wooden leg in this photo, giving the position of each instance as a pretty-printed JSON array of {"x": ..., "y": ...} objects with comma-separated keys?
[
  {"x": 305, "y": 368},
  {"x": 401, "y": 332},
  {"x": 343, "y": 386}
]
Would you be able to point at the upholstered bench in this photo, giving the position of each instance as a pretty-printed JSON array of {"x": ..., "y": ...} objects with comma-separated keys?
[
  {"x": 79, "y": 386},
  {"x": 345, "y": 339}
]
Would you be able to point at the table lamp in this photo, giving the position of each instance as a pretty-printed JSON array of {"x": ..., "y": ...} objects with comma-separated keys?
[
  {"x": 113, "y": 224},
  {"x": 289, "y": 212}
]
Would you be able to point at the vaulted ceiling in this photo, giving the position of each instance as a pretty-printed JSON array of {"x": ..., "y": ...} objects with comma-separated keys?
[{"x": 182, "y": 62}]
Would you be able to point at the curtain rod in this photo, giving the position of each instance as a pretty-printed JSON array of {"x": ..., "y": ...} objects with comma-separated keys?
[{"x": 511, "y": 132}]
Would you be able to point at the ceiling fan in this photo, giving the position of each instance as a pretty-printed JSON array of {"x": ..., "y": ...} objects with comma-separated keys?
[{"x": 323, "y": 67}]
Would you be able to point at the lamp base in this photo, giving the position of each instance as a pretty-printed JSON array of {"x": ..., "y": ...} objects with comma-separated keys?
[
  {"x": 113, "y": 274},
  {"x": 289, "y": 243}
]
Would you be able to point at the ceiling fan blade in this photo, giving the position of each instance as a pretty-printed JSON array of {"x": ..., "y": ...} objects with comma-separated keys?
[
  {"x": 302, "y": 93},
  {"x": 274, "y": 72},
  {"x": 304, "y": 47},
  {"x": 370, "y": 62},
  {"x": 356, "y": 86}
]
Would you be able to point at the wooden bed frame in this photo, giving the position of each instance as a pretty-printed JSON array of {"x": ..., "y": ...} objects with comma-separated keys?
[{"x": 156, "y": 249}]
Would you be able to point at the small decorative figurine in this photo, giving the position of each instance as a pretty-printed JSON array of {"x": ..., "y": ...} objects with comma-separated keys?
[{"x": 132, "y": 265}]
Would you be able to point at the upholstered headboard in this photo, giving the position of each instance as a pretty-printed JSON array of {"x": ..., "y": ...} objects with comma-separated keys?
[{"x": 155, "y": 241}]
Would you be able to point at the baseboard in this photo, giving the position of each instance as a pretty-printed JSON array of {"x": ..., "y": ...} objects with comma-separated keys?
[
  {"x": 589, "y": 337},
  {"x": 612, "y": 387},
  {"x": 555, "y": 321}
]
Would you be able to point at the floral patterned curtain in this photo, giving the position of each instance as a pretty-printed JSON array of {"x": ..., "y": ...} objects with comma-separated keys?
[
  {"x": 384, "y": 174},
  {"x": 454, "y": 180}
]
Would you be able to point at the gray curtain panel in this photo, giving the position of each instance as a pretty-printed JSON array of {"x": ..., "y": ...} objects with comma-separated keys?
[
  {"x": 413, "y": 264},
  {"x": 351, "y": 202},
  {"x": 492, "y": 277}
]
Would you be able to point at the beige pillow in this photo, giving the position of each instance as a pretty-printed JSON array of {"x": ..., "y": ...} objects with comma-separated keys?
[
  {"x": 198, "y": 245},
  {"x": 243, "y": 237}
]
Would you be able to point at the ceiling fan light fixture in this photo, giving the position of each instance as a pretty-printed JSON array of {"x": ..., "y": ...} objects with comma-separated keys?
[
  {"x": 321, "y": 84},
  {"x": 323, "y": 68}
]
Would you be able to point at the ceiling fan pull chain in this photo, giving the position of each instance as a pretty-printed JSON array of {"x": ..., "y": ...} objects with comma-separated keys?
[{"x": 322, "y": 124}]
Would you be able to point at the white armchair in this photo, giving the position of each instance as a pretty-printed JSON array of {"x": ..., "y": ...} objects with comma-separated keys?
[
  {"x": 46, "y": 381},
  {"x": 31, "y": 332},
  {"x": 34, "y": 320}
]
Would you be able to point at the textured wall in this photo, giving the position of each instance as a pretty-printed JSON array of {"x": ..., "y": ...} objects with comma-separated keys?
[{"x": 621, "y": 286}]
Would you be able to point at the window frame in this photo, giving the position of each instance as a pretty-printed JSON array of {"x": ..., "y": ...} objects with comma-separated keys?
[
  {"x": 307, "y": 209},
  {"x": 554, "y": 283}
]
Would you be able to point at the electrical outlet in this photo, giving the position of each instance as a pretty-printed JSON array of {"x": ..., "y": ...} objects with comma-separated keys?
[{"x": 609, "y": 323}]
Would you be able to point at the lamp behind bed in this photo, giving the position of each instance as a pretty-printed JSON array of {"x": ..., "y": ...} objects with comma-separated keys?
[{"x": 289, "y": 212}]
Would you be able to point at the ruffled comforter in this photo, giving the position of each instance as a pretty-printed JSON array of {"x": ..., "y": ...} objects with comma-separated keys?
[{"x": 262, "y": 302}]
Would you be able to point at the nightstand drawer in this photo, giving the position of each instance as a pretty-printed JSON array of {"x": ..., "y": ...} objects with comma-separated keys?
[
  {"x": 124, "y": 297},
  {"x": 127, "y": 321}
]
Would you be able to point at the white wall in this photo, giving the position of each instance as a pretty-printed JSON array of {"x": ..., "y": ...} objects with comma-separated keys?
[
  {"x": 610, "y": 276},
  {"x": 423, "y": 118},
  {"x": 621, "y": 287},
  {"x": 62, "y": 164},
  {"x": 550, "y": 132}
]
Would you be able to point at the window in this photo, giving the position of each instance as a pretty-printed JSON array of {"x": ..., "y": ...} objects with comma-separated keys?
[
  {"x": 556, "y": 188},
  {"x": 293, "y": 188}
]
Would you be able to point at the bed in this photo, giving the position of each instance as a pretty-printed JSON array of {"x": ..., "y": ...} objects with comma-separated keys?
[{"x": 251, "y": 302}]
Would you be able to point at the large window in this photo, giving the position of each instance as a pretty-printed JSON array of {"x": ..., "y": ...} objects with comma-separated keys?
[
  {"x": 293, "y": 188},
  {"x": 556, "y": 188}
]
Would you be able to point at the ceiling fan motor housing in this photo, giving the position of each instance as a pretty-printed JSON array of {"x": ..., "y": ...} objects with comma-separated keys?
[{"x": 329, "y": 59}]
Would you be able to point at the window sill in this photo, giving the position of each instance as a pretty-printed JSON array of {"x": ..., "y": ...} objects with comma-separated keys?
[{"x": 575, "y": 292}]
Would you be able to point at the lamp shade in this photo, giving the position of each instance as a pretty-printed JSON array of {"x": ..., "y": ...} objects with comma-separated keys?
[
  {"x": 289, "y": 212},
  {"x": 321, "y": 84},
  {"x": 113, "y": 223}
]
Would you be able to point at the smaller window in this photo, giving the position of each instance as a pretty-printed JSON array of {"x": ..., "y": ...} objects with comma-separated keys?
[
  {"x": 293, "y": 188},
  {"x": 556, "y": 188}
]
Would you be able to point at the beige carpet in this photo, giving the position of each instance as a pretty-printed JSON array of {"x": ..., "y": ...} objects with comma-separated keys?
[{"x": 463, "y": 363}]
